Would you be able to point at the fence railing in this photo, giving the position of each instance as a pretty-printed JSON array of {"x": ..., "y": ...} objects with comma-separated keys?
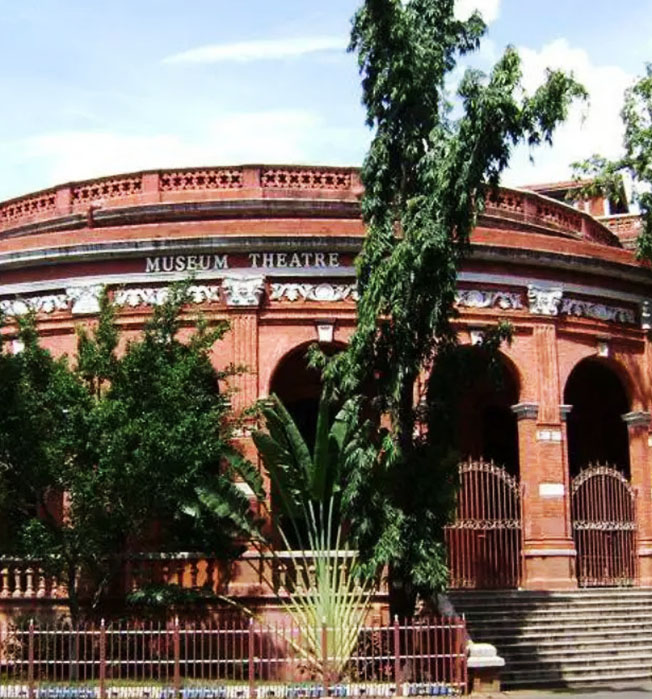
[{"x": 410, "y": 657}]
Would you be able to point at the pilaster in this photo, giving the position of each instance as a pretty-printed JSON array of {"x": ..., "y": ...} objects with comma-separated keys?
[
  {"x": 548, "y": 547},
  {"x": 242, "y": 296},
  {"x": 638, "y": 427}
]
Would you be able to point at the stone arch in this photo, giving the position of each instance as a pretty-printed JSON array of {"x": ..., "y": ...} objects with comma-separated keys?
[
  {"x": 299, "y": 387},
  {"x": 599, "y": 393},
  {"x": 482, "y": 422}
]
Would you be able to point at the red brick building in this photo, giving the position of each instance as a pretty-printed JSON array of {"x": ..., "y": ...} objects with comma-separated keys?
[{"x": 272, "y": 249}]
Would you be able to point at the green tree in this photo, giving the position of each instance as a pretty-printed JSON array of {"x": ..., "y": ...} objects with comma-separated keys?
[
  {"x": 37, "y": 394},
  {"x": 145, "y": 436},
  {"x": 605, "y": 177},
  {"x": 426, "y": 177}
]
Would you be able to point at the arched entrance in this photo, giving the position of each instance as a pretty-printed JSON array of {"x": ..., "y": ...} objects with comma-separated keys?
[
  {"x": 470, "y": 396},
  {"x": 603, "y": 506},
  {"x": 596, "y": 431},
  {"x": 299, "y": 387},
  {"x": 484, "y": 541}
]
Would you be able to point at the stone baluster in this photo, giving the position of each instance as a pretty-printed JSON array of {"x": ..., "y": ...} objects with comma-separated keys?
[
  {"x": 193, "y": 572},
  {"x": 41, "y": 591},
  {"x": 29, "y": 583},
  {"x": 18, "y": 585},
  {"x": 55, "y": 590},
  {"x": 4, "y": 578},
  {"x": 165, "y": 571},
  {"x": 179, "y": 564}
]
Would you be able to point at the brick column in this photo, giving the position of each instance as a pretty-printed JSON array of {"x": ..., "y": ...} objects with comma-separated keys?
[
  {"x": 638, "y": 425},
  {"x": 242, "y": 296},
  {"x": 548, "y": 547}
]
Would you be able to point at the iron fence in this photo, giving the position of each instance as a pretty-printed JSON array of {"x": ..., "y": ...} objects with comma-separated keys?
[{"x": 233, "y": 657}]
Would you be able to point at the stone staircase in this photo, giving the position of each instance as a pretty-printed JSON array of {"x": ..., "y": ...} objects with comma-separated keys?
[{"x": 564, "y": 639}]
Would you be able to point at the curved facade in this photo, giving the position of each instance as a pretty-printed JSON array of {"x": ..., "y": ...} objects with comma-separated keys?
[{"x": 271, "y": 250}]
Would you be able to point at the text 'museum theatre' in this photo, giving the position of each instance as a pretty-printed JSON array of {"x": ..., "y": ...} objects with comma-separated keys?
[{"x": 557, "y": 479}]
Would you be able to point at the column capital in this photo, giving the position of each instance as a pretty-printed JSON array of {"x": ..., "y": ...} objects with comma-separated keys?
[
  {"x": 243, "y": 292},
  {"x": 637, "y": 418},
  {"x": 564, "y": 410},
  {"x": 526, "y": 411}
]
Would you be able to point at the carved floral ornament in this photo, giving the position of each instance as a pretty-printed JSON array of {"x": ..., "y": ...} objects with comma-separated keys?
[
  {"x": 550, "y": 301},
  {"x": 247, "y": 292},
  {"x": 237, "y": 292}
]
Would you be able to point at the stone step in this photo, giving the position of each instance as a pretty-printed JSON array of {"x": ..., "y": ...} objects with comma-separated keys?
[
  {"x": 630, "y": 655},
  {"x": 595, "y": 642},
  {"x": 545, "y": 614},
  {"x": 589, "y": 652},
  {"x": 587, "y": 638},
  {"x": 575, "y": 667},
  {"x": 593, "y": 602},
  {"x": 587, "y": 680},
  {"x": 507, "y": 628}
]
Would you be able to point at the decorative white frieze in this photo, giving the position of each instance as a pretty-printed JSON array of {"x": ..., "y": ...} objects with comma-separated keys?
[
  {"x": 544, "y": 300},
  {"x": 84, "y": 298},
  {"x": 155, "y": 296},
  {"x": 140, "y": 296},
  {"x": 599, "y": 311},
  {"x": 38, "y": 304},
  {"x": 313, "y": 292},
  {"x": 243, "y": 292},
  {"x": 476, "y": 298}
]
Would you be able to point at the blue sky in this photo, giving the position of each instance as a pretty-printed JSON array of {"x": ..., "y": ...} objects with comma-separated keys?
[{"x": 94, "y": 88}]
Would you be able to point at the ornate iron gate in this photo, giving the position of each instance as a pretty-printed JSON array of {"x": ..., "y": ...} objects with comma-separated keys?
[
  {"x": 603, "y": 516},
  {"x": 484, "y": 541}
]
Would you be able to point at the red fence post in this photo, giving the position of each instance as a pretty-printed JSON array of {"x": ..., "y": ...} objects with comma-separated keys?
[
  {"x": 177, "y": 657},
  {"x": 30, "y": 660},
  {"x": 252, "y": 687},
  {"x": 102, "y": 660},
  {"x": 397, "y": 656}
]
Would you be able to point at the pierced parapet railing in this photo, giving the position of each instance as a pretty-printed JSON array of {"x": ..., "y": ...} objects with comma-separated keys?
[{"x": 230, "y": 655}]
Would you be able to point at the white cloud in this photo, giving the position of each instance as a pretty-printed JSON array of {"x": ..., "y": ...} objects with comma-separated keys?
[
  {"x": 274, "y": 136},
  {"x": 591, "y": 128},
  {"x": 261, "y": 50},
  {"x": 489, "y": 9}
]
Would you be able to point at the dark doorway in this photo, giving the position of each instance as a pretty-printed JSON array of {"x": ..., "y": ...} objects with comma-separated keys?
[
  {"x": 299, "y": 388},
  {"x": 479, "y": 392},
  {"x": 596, "y": 431}
]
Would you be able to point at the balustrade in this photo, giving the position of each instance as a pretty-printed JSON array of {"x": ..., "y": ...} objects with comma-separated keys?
[
  {"x": 527, "y": 208},
  {"x": 23, "y": 580}
]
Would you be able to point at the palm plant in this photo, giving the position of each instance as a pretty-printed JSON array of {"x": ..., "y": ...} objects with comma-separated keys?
[{"x": 331, "y": 597}]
